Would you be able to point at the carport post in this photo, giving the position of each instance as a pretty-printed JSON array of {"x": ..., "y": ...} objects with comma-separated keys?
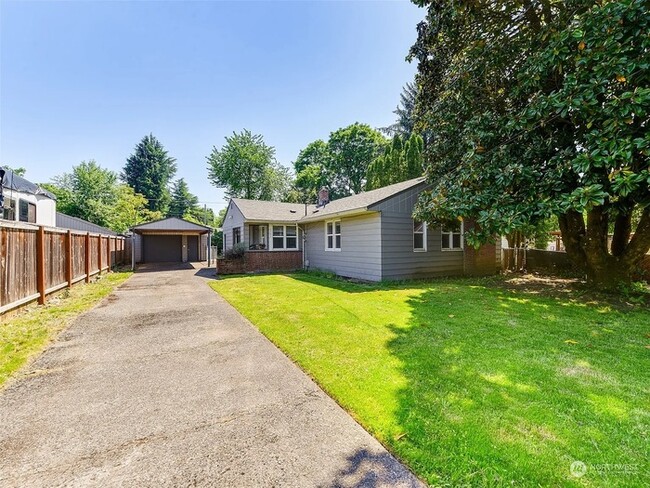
[
  {"x": 209, "y": 243},
  {"x": 133, "y": 252}
]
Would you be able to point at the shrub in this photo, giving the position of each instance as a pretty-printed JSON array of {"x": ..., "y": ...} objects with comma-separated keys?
[{"x": 235, "y": 252}]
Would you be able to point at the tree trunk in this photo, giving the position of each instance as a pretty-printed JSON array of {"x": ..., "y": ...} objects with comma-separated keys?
[{"x": 587, "y": 247}]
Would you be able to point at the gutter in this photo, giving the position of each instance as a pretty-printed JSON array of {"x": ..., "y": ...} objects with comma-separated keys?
[{"x": 343, "y": 213}]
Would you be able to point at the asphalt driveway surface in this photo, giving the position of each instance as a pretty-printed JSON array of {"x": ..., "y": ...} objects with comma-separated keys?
[{"x": 165, "y": 384}]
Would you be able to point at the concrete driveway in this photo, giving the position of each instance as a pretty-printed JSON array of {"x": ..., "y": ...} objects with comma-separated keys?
[{"x": 165, "y": 384}]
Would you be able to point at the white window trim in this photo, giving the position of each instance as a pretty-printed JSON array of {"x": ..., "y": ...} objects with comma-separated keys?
[
  {"x": 334, "y": 234},
  {"x": 284, "y": 238},
  {"x": 451, "y": 239},
  {"x": 424, "y": 237}
]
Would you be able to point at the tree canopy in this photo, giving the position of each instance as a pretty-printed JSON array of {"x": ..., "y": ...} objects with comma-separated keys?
[
  {"x": 401, "y": 161},
  {"x": 183, "y": 203},
  {"x": 93, "y": 193},
  {"x": 538, "y": 109},
  {"x": 246, "y": 167},
  {"x": 352, "y": 149},
  {"x": 149, "y": 171},
  {"x": 405, "y": 112}
]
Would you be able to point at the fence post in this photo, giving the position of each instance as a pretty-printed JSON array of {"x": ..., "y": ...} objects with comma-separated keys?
[
  {"x": 99, "y": 254},
  {"x": 108, "y": 252},
  {"x": 40, "y": 264},
  {"x": 87, "y": 257},
  {"x": 68, "y": 258}
]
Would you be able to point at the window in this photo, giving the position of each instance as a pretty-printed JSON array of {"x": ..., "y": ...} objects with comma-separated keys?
[
  {"x": 26, "y": 211},
  {"x": 9, "y": 209},
  {"x": 419, "y": 236},
  {"x": 236, "y": 235},
  {"x": 452, "y": 237},
  {"x": 284, "y": 237},
  {"x": 333, "y": 235}
]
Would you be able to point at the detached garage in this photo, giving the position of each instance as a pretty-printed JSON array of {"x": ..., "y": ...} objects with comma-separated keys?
[{"x": 170, "y": 240}]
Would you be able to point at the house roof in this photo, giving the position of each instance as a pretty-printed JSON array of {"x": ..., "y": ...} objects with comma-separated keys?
[
  {"x": 258, "y": 210},
  {"x": 14, "y": 182},
  {"x": 170, "y": 224},
  {"x": 75, "y": 223},
  {"x": 359, "y": 202}
]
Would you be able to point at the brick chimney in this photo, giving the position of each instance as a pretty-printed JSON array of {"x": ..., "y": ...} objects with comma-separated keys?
[{"x": 323, "y": 197}]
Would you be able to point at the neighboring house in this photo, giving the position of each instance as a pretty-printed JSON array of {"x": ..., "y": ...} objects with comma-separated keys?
[
  {"x": 24, "y": 201},
  {"x": 370, "y": 236},
  {"x": 75, "y": 223},
  {"x": 170, "y": 240}
]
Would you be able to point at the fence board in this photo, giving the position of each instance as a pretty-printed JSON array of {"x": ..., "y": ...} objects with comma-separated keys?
[
  {"x": 19, "y": 260},
  {"x": 55, "y": 259}
]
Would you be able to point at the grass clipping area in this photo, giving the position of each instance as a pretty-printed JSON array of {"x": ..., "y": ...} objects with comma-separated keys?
[
  {"x": 28, "y": 332},
  {"x": 470, "y": 382}
]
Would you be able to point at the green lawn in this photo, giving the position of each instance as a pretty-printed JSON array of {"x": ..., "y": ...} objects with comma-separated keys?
[
  {"x": 29, "y": 331},
  {"x": 467, "y": 381}
]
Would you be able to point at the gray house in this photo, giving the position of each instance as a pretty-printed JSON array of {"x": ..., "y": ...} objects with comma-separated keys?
[{"x": 370, "y": 236}]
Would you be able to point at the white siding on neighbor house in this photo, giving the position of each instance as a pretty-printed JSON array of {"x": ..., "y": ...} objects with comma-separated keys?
[
  {"x": 232, "y": 219},
  {"x": 399, "y": 260},
  {"x": 360, "y": 254},
  {"x": 45, "y": 206}
]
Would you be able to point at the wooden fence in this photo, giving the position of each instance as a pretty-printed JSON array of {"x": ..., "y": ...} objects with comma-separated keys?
[{"x": 36, "y": 261}]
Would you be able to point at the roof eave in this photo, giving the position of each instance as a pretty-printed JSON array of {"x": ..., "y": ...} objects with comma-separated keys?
[{"x": 332, "y": 215}]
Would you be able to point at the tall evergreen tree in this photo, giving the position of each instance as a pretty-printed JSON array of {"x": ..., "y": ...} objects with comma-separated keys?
[
  {"x": 405, "y": 112},
  {"x": 149, "y": 171},
  {"x": 183, "y": 203}
]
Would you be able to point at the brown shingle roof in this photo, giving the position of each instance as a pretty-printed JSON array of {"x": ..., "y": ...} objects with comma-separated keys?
[{"x": 258, "y": 210}]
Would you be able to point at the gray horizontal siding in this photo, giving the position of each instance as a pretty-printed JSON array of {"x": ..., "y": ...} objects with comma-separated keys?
[
  {"x": 232, "y": 219},
  {"x": 360, "y": 255},
  {"x": 399, "y": 261}
]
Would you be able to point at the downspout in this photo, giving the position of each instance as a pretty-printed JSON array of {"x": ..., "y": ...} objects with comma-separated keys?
[
  {"x": 133, "y": 251},
  {"x": 304, "y": 248}
]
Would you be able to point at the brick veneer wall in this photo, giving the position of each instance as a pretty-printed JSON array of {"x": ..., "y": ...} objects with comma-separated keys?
[
  {"x": 260, "y": 261},
  {"x": 481, "y": 261}
]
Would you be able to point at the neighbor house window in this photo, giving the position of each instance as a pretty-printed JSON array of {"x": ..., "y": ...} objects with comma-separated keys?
[
  {"x": 452, "y": 237},
  {"x": 236, "y": 235},
  {"x": 284, "y": 237},
  {"x": 419, "y": 236},
  {"x": 9, "y": 210},
  {"x": 333, "y": 235},
  {"x": 26, "y": 211}
]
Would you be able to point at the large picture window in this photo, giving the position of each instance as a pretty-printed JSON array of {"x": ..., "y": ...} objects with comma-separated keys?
[
  {"x": 452, "y": 237},
  {"x": 419, "y": 236},
  {"x": 333, "y": 235},
  {"x": 284, "y": 237}
]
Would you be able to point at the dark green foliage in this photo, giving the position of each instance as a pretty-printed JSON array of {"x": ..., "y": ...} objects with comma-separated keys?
[
  {"x": 149, "y": 171},
  {"x": 352, "y": 149},
  {"x": 538, "y": 109},
  {"x": 246, "y": 167},
  {"x": 183, "y": 203},
  {"x": 405, "y": 112},
  {"x": 401, "y": 161}
]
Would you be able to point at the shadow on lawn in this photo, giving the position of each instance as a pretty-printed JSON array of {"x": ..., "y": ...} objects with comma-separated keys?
[{"x": 508, "y": 389}]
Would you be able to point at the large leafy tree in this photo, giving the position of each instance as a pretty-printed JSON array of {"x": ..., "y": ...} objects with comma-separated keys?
[
  {"x": 352, "y": 149},
  {"x": 246, "y": 167},
  {"x": 93, "y": 193},
  {"x": 540, "y": 108},
  {"x": 183, "y": 203},
  {"x": 310, "y": 172},
  {"x": 401, "y": 161},
  {"x": 149, "y": 171}
]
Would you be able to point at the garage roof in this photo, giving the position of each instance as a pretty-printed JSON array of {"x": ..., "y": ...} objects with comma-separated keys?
[{"x": 171, "y": 224}]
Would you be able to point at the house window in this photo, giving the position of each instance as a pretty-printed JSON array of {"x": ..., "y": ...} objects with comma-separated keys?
[
  {"x": 419, "y": 236},
  {"x": 9, "y": 209},
  {"x": 26, "y": 211},
  {"x": 284, "y": 237},
  {"x": 236, "y": 235},
  {"x": 333, "y": 235},
  {"x": 452, "y": 237}
]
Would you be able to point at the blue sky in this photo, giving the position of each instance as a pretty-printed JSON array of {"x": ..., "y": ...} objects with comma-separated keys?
[{"x": 87, "y": 80}]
